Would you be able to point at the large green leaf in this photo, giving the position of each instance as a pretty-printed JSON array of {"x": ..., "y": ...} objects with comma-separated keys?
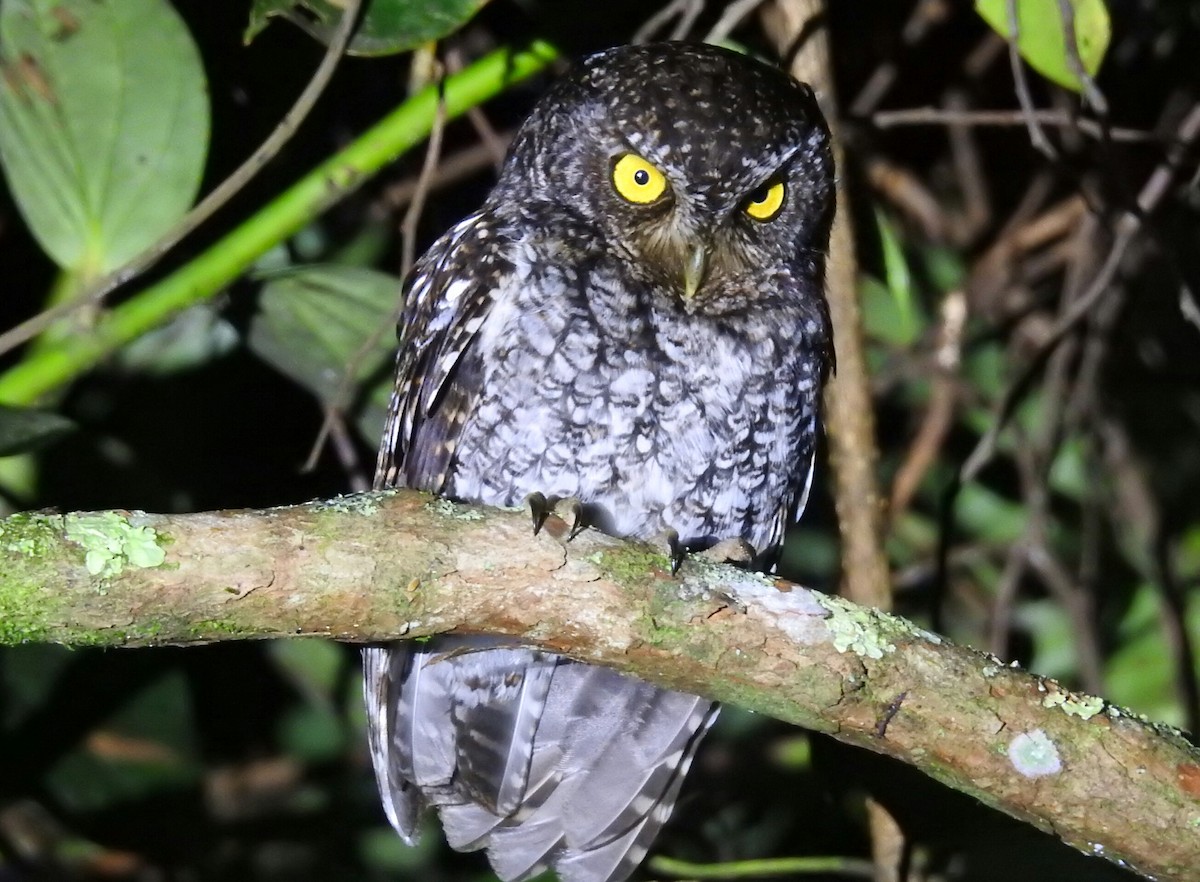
[
  {"x": 1041, "y": 39},
  {"x": 387, "y": 26},
  {"x": 313, "y": 322},
  {"x": 103, "y": 124}
]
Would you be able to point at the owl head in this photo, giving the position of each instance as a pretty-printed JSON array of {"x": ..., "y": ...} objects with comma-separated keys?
[{"x": 708, "y": 174}]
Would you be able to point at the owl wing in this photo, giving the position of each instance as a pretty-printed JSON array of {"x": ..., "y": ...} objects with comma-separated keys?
[
  {"x": 542, "y": 761},
  {"x": 409, "y": 701},
  {"x": 447, "y": 297}
]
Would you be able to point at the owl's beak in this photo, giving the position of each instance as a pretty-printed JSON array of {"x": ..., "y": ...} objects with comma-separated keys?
[{"x": 694, "y": 269}]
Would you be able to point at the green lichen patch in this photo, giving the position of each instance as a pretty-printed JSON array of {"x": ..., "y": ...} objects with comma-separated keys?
[
  {"x": 448, "y": 509},
  {"x": 365, "y": 504},
  {"x": 857, "y": 629},
  {"x": 29, "y": 534},
  {"x": 630, "y": 566},
  {"x": 868, "y": 632},
  {"x": 110, "y": 543},
  {"x": 218, "y": 629},
  {"x": 1075, "y": 704},
  {"x": 27, "y": 540}
]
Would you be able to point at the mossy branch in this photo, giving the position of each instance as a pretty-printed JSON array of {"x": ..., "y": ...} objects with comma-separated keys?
[{"x": 399, "y": 564}]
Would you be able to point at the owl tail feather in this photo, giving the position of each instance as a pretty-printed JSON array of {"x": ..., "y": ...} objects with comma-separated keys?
[{"x": 543, "y": 762}]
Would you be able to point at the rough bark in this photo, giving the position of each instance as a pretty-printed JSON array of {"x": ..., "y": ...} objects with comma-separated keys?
[{"x": 400, "y": 564}]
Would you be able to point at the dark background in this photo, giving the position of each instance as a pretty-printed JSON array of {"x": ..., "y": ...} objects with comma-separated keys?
[{"x": 247, "y": 760}]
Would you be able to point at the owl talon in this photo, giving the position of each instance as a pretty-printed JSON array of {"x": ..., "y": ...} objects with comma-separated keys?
[
  {"x": 539, "y": 510},
  {"x": 572, "y": 512},
  {"x": 676, "y": 551},
  {"x": 567, "y": 509}
]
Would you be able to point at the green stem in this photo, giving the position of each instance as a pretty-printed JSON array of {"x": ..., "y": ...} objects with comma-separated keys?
[
  {"x": 763, "y": 867},
  {"x": 47, "y": 369}
]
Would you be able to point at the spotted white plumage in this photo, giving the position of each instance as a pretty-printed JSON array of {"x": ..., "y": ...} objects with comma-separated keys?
[{"x": 660, "y": 361}]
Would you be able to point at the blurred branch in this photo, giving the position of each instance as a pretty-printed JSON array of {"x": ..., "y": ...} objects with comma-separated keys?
[
  {"x": 401, "y": 564},
  {"x": 798, "y": 29},
  {"x": 935, "y": 116}
]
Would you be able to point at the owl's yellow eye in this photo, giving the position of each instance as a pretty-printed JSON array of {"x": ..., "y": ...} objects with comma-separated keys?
[
  {"x": 765, "y": 202},
  {"x": 637, "y": 180}
]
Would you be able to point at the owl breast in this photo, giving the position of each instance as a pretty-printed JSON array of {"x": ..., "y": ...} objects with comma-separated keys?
[{"x": 654, "y": 418}]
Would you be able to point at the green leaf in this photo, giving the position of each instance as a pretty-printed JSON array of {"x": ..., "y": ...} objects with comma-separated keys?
[
  {"x": 387, "y": 26},
  {"x": 1068, "y": 473},
  {"x": 885, "y": 318},
  {"x": 147, "y": 747},
  {"x": 193, "y": 338},
  {"x": 314, "y": 321},
  {"x": 983, "y": 514},
  {"x": 24, "y": 429},
  {"x": 103, "y": 124},
  {"x": 313, "y": 666},
  {"x": 895, "y": 266},
  {"x": 311, "y": 733},
  {"x": 1139, "y": 673},
  {"x": 1053, "y": 632},
  {"x": 1041, "y": 39}
]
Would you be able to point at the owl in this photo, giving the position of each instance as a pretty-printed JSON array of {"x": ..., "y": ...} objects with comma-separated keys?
[{"x": 634, "y": 320}]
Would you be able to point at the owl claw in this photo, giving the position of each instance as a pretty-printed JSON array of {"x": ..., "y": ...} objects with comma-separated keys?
[
  {"x": 539, "y": 510},
  {"x": 568, "y": 509},
  {"x": 676, "y": 551}
]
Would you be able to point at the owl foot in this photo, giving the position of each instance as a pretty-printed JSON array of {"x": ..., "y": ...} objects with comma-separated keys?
[
  {"x": 568, "y": 509},
  {"x": 734, "y": 551}
]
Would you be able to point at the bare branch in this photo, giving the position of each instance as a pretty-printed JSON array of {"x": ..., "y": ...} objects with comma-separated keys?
[{"x": 397, "y": 564}]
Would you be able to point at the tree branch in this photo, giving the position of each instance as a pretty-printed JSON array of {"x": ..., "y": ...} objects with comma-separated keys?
[{"x": 400, "y": 564}]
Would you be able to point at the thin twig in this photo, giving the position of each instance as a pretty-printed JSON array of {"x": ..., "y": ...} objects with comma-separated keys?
[
  {"x": 939, "y": 414},
  {"x": 412, "y": 217},
  {"x": 1087, "y": 86},
  {"x": 903, "y": 189},
  {"x": 924, "y": 17},
  {"x": 937, "y": 116},
  {"x": 408, "y": 252},
  {"x": 496, "y": 142},
  {"x": 734, "y": 14},
  {"x": 1037, "y": 134},
  {"x": 408, "y": 233},
  {"x": 687, "y": 11},
  {"x": 977, "y": 204},
  {"x": 346, "y": 452},
  {"x": 1127, "y": 228},
  {"x": 94, "y": 294}
]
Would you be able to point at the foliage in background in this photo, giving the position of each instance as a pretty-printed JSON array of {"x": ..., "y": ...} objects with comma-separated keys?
[{"x": 1075, "y": 549}]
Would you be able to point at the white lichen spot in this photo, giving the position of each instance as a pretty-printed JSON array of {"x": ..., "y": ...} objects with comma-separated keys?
[
  {"x": 110, "y": 542},
  {"x": 1034, "y": 755},
  {"x": 796, "y": 612}
]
